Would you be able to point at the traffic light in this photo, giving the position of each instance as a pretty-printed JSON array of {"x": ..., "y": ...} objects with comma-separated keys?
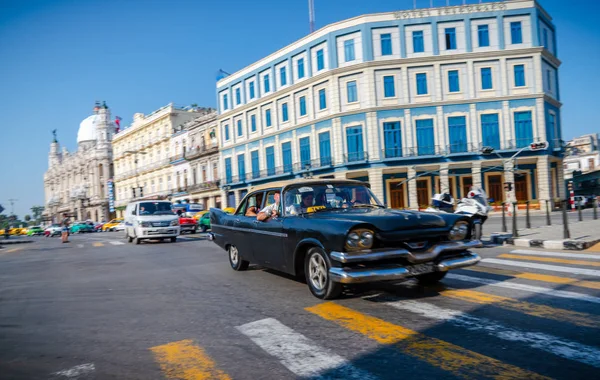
[
  {"x": 133, "y": 192},
  {"x": 141, "y": 192},
  {"x": 508, "y": 186},
  {"x": 538, "y": 146}
]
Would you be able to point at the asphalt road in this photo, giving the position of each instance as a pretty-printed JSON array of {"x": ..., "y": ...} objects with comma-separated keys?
[{"x": 99, "y": 308}]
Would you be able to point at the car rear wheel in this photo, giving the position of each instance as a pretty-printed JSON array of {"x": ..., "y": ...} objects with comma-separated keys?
[
  {"x": 173, "y": 239},
  {"x": 430, "y": 278},
  {"x": 235, "y": 260},
  {"x": 203, "y": 228},
  {"x": 316, "y": 269}
]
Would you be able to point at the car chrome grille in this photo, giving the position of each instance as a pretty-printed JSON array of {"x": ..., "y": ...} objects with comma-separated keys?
[{"x": 160, "y": 224}]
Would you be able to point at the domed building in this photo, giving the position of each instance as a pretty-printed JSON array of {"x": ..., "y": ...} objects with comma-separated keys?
[{"x": 79, "y": 182}]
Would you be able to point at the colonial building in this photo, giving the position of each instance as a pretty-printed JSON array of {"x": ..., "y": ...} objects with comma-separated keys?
[
  {"x": 405, "y": 100},
  {"x": 583, "y": 155},
  {"x": 77, "y": 182}
]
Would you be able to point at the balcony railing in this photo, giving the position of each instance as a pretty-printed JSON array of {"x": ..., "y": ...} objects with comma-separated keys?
[
  {"x": 209, "y": 185},
  {"x": 355, "y": 157},
  {"x": 201, "y": 150},
  {"x": 178, "y": 157}
]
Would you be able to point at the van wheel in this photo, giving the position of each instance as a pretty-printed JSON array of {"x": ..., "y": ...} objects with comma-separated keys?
[
  {"x": 137, "y": 240},
  {"x": 173, "y": 239}
]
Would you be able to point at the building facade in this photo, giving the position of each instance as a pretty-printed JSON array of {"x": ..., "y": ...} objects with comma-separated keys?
[
  {"x": 77, "y": 182},
  {"x": 143, "y": 155},
  {"x": 404, "y": 100},
  {"x": 582, "y": 155}
]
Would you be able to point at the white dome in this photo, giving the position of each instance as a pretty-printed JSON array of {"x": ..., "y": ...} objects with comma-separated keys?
[{"x": 87, "y": 129}]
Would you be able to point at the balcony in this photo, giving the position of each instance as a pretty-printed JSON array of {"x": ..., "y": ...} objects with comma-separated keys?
[
  {"x": 354, "y": 158},
  {"x": 200, "y": 151},
  {"x": 177, "y": 157},
  {"x": 205, "y": 186}
]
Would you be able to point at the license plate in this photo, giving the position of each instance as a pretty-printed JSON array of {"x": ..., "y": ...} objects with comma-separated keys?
[{"x": 421, "y": 268}]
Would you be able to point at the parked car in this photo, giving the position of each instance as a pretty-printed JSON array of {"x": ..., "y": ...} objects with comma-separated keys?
[
  {"x": 120, "y": 226},
  {"x": 98, "y": 227},
  {"x": 110, "y": 226},
  {"x": 204, "y": 222},
  {"x": 150, "y": 220},
  {"x": 80, "y": 227},
  {"x": 53, "y": 230},
  {"x": 336, "y": 232},
  {"x": 35, "y": 231},
  {"x": 187, "y": 224}
]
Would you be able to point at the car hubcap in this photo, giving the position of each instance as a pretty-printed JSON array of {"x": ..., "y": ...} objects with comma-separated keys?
[
  {"x": 233, "y": 255},
  {"x": 317, "y": 271}
]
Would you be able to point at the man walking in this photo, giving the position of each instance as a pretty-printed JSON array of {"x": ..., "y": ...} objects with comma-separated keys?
[{"x": 65, "y": 228}]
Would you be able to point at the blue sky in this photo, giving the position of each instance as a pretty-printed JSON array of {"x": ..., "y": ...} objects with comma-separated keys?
[{"x": 59, "y": 56}]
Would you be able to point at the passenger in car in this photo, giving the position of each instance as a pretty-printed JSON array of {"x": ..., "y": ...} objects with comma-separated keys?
[
  {"x": 252, "y": 209},
  {"x": 271, "y": 211}
]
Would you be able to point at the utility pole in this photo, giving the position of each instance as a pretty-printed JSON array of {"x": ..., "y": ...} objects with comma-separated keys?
[
  {"x": 12, "y": 205},
  {"x": 311, "y": 15}
]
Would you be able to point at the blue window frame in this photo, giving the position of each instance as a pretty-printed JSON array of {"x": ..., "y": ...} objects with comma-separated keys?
[
  {"x": 389, "y": 89},
  {"x": 252, "y": 123},
  {"x": 551, "y": 131},
  {"x": 519, "y": 75},
  {"x": 240, "y": 130},
  {"x": 354, "y": 140},
  {"x": 421, "y": 84},
  {"x": 425, "y": 137},
  {"x": 226, "y": 128},
  {"x": 300, "y": 68},
  {"x": 392, "y": 137},
  {"x": 418, "y": 45},
  {"x": 549, "y": 79},
  {"x": 325, "y": 148},
  {"x": 266, "y": 83},
  {"x": 545, "y": 37},
  {"x": 270, "y": 155},
  {"x": 490, "y": 130},
  {"x": 523, "y": 129},
  {"x": 320, "y": 60},
  {"x": 303, "y": 106},
  {"x": 483, "y": 35},
  {"x": 241, "y": 167},
  {"x": 322, "y": 99},
  {"x": 450, "y": 34},
  {"x": 268, "y": 117},
  {"x": 228, "y": 174},
  {"x": 225, "y": 102},
  {"x": 286, "y": 156},
  {"x": 351, "y": 91},
  {"x": 486, "y": 78},
  {"x": 386, "y": 44},
  {"x": 349, "y": 50},
  {"x": 284, "y": 112},
  {"x": 283, "y": 76},
  {"x": 255, "y": 164},
  {"x": 305, "y": 151},
  {"x": 453, "y": 81},
  {"x": 457, "y": 131},
  {"x": 251, "y": 89},
  {"x": 516, "y": 34},
  {"x": 238, "y": 96}
]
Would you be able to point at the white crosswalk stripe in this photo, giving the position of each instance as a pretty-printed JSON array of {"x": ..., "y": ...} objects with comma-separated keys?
[
  {"x": 553, "y": 268},
  {"x": 116, "y": 242},
  {"x": 298, "y": 353},
  {"x": 555, "y": 254}
]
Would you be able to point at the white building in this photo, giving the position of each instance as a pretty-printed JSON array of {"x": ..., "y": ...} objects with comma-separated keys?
[{"x": 583, "y": 155}]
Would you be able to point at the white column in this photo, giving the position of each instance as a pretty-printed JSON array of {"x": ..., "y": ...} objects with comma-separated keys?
[
  {"x": 376, "y": 181},
  {"x": 560, "y": 177},
  {"x": 507, "y": 125},
  {"x": 539, "y": 130},
  {"x": 409, "y": 141},
  {"x": 372, "y": 136},
  {"x": 337, "y": 143},
  {"x": 440, "y": 130},
  {"x": 473, "y": 130},
  {"x": 538, "y": 81},
  {"x": 503, "y": 77},
  {"x": 476, "y": 173},
  {"x": 438, "y": 88},
  {"x": 544, "y": 179},
  {"x": 412, "y": 189},
  {"x": 509, "y": 176},
  {"x": 295, "y": 153},
  {"x": 444, "y": 180},
  {"x": 471, "y": 75}
]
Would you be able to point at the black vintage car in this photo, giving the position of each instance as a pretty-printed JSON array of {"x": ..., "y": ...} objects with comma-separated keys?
[{"x": 336, "y": 232}]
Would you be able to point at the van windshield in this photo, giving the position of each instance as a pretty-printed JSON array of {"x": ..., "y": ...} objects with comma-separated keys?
[{"x": 155, "y": 208}]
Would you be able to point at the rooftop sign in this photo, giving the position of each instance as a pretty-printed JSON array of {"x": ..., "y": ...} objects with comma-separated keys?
[{"x": 446, "y": 11}]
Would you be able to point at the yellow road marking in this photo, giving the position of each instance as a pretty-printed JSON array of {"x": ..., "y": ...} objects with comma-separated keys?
[
  {"x": 542, "y": 311},
  {"x": 549, "y": 260},
  {"x": 537, "y": 277},
  {"x": 187, "y": 361},
  {"x": 447, "y": 356},
  {"x": 98, "y": 244},
  {"x": 11, "y": 250},
  {"x": 594, "y": 248}
]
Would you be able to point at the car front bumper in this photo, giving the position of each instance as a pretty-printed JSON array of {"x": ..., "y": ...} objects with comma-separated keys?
[
  {"x": 157, "y": 232},
  {"x": 188, "y": 227}
]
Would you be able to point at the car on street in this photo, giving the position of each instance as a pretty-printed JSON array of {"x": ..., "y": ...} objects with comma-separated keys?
[
  {"x": 336, "y": 232},
  {"x": 53, "y": 230},
  {"x": 149, "y": 219},
  {"x": 187, "y": 224},
  {"x": 204, "y": 222},
  {"x": 110, "y": 226},
  {"x": 80, "y": 227},
  {"x": 35, "y": 231}
]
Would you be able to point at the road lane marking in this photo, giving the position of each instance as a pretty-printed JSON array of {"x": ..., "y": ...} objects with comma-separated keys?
[
  {"x": 560, "y": 347},
  {"x": 555, "y": 254},
  {"x": 299, "y": 354},
  {"x": 116, "y": 243},
  {"x": 447, "y": 356},
  {"x": 527, "y": 288},
  {"x": 75, "y": 372},
  {"x": 187, "y": 361},
  {"x": 79, "y": 245},
  {"x": 549, "y": 260},
  {"x": 552, "y": 268},
  {"x": 536, "y": 277},
  {"x": 594, "y": 248},
  {"x": 98, "y": 244},
  {"x": 12, "y": 250}
]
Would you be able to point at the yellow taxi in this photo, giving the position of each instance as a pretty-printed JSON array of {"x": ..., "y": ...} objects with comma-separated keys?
[
  {"x": 110, "y": 226},
  {"x": 199, "y": 214}
]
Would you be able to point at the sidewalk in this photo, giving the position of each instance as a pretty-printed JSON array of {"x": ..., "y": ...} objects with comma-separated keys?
[
  {"x": 583, "y": 235},
  {"x": 13, "y": 240}
]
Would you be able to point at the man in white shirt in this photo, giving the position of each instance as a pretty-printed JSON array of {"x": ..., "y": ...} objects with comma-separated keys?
[{"x": 271, "y": 210}]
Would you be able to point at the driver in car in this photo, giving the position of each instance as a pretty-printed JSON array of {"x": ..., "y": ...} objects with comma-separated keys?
[{"x": 271, "y": 210}]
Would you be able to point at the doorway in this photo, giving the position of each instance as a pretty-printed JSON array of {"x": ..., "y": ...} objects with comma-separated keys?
[{"x": 397, "y": 195}]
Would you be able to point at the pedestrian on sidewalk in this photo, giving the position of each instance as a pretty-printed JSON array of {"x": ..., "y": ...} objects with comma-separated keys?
[{"x": 65, "y": 228}]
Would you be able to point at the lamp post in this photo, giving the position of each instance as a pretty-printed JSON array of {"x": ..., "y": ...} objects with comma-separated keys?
[{"x": 135, "y": 160}]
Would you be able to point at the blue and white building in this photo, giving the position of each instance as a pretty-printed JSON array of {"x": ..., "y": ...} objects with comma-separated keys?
[{"x": 386, "y": 97}]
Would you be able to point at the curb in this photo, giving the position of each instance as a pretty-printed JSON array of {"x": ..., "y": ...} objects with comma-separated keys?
[
  {"x": 572, "y": 245},
  {"x": 10, "y": 242}
]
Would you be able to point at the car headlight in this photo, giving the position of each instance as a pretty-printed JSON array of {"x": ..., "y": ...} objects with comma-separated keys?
[
  {"x": 145, "y": 224},
  {"x": 459, "y": 231},
  {"x": 359, "y": 239},
  {"x": 175, "y": 222}
]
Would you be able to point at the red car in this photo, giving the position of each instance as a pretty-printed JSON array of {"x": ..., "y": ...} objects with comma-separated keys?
[{"x": 187, "y": 224}]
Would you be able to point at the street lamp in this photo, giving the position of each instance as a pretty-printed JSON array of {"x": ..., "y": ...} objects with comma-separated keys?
[{"x": 135, "y": 160}]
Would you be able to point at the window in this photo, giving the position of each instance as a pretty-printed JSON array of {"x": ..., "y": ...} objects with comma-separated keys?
[
  {"x": 322, "y": 99},
  {"x": 286, "y": 156},
  {"x": 325, "y": 148},
  {"x": 457, "y": 131},
  {"x": 483, "y": 35},
  {"x": 252, "y": 123},
  {"x": 519, "y": 75},
  {"x": 425, "y": 138},
  {"x": 228, "y": 178},
  {"x": 392, "y": 135},
  {"x": 270, "y": 154},
  {"x": 226, "y": 128},
  {"x": 283, "y": 76},
  {"x": 354, "y": 139},
  {"x": 523, "y": 129},
  {"x": 303, "y": 106},
  {"x": 486, "y": 78},
  {"x": 490, "y": 130},
  {"x": 284, "y": 112},
  {"x": 450, "y": 38},
  {"x": 320, "y": 60},
  {"x": 266, "y": 84},
  {"x": 305, "y": 152},
  {"x": 238, "y": 96},
  {"x": 545, "y": 37},
  {"x": 389, "y": 90},
  {"x": 453, "y": 82},
  {"x": 268, "y": 117},
  {"x": 351, "y": 91},
  {"x": 422, "y": 84},
  {"x": 418, "y": 45},
  {"x": 386, "y": 44},
  {"x": 225, "y": 102},
  {"x": 240, "y": 130},
  {"x": 349, "y": 50},
  {"x": 549, "y": 79},
  {"x": 300, "y": 68},
  {"x": 251, "y": 89},
  {"x": 516, "y": 35},
  {"x": 255, "y": 164},
  {"x": 242, "y": 167}
]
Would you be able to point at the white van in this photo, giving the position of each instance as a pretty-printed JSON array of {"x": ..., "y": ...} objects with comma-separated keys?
[{"x": 150, "y": 220}]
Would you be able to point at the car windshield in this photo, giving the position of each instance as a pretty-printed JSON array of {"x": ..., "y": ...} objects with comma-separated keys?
[
  {"x": 155, "y": 208},
  {"x": 306, "y": 199}
]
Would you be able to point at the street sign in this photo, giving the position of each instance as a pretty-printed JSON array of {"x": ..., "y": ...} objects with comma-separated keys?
[{"x": 111, "y": 195}]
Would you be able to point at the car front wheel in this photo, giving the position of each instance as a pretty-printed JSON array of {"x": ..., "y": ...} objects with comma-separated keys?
[
  {"x": 235, "y": 260},
  {"x": 316, "y": 269}
]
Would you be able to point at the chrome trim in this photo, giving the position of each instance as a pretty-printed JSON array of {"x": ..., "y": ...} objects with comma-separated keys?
[
  {"x": 458, "y": 262},
  {"x": 277, "y": 234},
  {"x": 418, "y": 257},
  {"x": 210, "y": 236}
]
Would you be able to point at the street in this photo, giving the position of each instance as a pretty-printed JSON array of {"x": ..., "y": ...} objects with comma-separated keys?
[{"x": 100, "y": 308}]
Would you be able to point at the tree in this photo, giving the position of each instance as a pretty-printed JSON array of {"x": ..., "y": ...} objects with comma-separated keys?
[
  {"x": 37, "y": 212},
  {"x": 27, "y": 218}
]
